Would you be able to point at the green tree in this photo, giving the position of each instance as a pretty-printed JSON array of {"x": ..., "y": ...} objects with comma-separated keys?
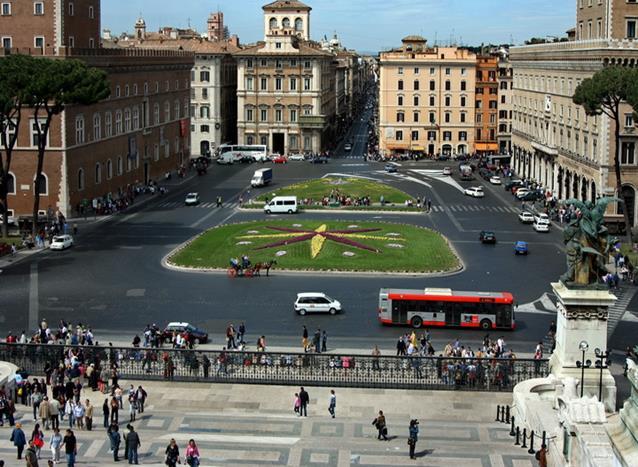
[
  {"x": 604, "y": 93},
  {"x": 56, "y": 85},
  {"x": 15, "y": 74}
]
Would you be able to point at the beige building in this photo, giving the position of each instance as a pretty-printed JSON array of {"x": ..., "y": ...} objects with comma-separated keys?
[
  {"x": 505, "y": 103},
  {"x": 286, "y": 85},
  {"x": 606, "y": 19},
  {"x": 554, "y": 142},
  {"x": 427, "y": 99}
]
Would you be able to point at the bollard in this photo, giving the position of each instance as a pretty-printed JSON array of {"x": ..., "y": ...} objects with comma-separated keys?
[
  {"x": 498, "y": 413},
  {"x": 512, "y": 427},
  {"x": 518, "y": 437},
  {"x": 524, "y": 445},
  {"x": 544, "y": 444},
  {"x": 502, "y": 413},
  {"x": 531, "y": 444},
  {"x": 507, "y": 414}
]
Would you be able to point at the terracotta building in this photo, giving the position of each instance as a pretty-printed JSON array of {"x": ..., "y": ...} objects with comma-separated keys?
[
  {"x": 286, "y": 85},
  {"x": 487, "y": 103},
  {"x": 140, "y": 132},
  {"x": 427, "y": 99}
]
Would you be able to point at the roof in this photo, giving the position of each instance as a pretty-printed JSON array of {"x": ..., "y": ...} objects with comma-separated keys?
[
  {"x": 302, "y": 50},
  {"x": 201, "y": 46},
  {"x": 413, "y": 38},
  {"x": 286, "y": 5},
  {"x": 311, "y": 294}
]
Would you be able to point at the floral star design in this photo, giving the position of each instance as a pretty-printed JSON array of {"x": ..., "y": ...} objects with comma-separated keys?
[{"x": 318, "y": 237}]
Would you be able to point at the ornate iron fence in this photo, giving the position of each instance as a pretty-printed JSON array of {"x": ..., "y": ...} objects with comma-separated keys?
[{"x": 309, "y": 369}]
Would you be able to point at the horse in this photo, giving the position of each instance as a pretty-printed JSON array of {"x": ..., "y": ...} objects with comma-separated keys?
[{"x": 267, "y": 265}]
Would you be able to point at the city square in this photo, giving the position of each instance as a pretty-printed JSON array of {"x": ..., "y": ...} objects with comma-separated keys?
[{"x": 434, "y": 232}]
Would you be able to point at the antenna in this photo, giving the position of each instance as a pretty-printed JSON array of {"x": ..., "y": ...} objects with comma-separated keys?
[{"x": 189, "y": 23}]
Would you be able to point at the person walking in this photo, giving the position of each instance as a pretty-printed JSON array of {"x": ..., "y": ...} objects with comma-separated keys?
[
  {"x": 115, "y": 439},
  {"x": 172, "y": 453},
  {"x": 134, "y": 443},
  {"x": 304, "y": 339},
  {"x": 324, "y": 342},
  {"x": 380, "y": 425},
  {"x": 192, "y": 454},
  {"x": 115, "y": 407},
  {"x": 376, "y": 353},
  {"x": 333, "y": 403},
  {"x": 297, "y": 404},
  {"x": 70, "y": 448},
  {"x": 304, "y": 399},
  {"x": 88, "y": 415},
  {"x": 45, "y": 413},
  {"x": 414, "y": 437},
  {"x": 18, "y": 439},
  {"x": 105, "y": 413},
  {"x": 54, "y": 412},
  {"x": 132, "y": 407},
  {"x": 37, "y": 439},
  {"x": 31, "y": 456},
  {"x": 141, "y": 395},
  {"x": 55, "y": 442}
]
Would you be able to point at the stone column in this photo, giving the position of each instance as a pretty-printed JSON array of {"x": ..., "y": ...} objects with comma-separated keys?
[{"x": 582, "y": 316}]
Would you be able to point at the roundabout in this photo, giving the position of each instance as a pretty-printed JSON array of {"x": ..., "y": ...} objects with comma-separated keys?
[{"x": 319, "y": 245}]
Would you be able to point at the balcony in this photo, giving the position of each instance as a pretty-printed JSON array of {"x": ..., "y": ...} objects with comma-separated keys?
[{"x": 312, "y": 122}]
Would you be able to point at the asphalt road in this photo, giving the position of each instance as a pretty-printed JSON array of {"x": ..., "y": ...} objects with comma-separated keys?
[{"x": 114, "y": 280}]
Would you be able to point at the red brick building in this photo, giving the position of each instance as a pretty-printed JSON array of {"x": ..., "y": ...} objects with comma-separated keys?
[
  {"x": 486, "y": 105},
  {"x": 140, "y": 132}
]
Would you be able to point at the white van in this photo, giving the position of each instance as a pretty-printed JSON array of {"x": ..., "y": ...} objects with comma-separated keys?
[
  {"x": 281, "y": 204},
  {"x": 226, "y": 158}
]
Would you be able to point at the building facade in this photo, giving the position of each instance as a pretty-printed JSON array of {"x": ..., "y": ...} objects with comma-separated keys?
[
  {"x": 136, "y": 135},
  {"x": 505, "y": 91},
  {"x": 554, "y": 143},
  {"x": 486, "y": 104},
  {"x": 427, "y": 99},
  {"x": 286, "y": 85},
  {"x": 606, "y": 19}
]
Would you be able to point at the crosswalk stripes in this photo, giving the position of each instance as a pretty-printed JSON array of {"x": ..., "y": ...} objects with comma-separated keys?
[
  {"x": 475, "y": 208},
  {"x": 618, "y": 309},
  {"x": 175, "y": 204}
]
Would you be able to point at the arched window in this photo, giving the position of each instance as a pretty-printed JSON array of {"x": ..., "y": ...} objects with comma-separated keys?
[
  {"x": 285, "y": 23},
  {"x": 11, "y": 184},
  {"x": 273, "y": 23},
  {"x": 136, "y": 118},
  {"x": 98, "y": 173},
  {"x": 167, "y": 111},
  {"x": 79, "y": 129},
  {"x": 118, "y": 122},
  {"x": 97, "y": 127},
  {"x": 108, "y": 124},
  {"x": 120, "y": 167},
  {"x": 250, "y": 140},
  {"x": 80, "y": 179},
  {"x": 127, "y": 120},
  {"x": 42, "y": 186},
  {"x": 177, "y": 108},
  {"x": 156, "y": 114},
  {"x": 299, "y": 25},
  {"x": 109, "y": 169}
]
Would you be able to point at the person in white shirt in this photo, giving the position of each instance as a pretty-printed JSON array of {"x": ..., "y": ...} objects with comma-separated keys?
[{"x": 78, "y": 414}]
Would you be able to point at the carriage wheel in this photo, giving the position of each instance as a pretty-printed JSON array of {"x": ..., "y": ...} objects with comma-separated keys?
[
  {"x": 249, "y": 273},
  {"x": 232, "y": 272}
]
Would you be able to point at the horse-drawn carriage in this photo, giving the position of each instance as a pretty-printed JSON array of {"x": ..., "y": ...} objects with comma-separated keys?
[{"x": 246, "y": 269}]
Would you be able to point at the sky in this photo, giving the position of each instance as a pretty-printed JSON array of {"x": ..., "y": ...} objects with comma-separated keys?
[{"x": 364, "y": 25}]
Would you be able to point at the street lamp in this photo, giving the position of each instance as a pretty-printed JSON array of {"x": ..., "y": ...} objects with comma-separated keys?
[
  {"x": 583, "y": 346},
  {"x": 602, "y": 362}
]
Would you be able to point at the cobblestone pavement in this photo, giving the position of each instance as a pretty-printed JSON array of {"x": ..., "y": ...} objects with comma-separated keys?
[{"x": 254, "y": 425}]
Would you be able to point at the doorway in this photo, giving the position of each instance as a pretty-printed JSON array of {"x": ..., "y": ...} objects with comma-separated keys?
[
  {"x": 278, "y": 143},
  {"x": 204, "y": 148}
]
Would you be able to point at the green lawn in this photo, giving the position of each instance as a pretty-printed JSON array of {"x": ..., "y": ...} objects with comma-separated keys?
[
  {"x": 352, "y": 187},
  {"x": 400, "y": 248}
]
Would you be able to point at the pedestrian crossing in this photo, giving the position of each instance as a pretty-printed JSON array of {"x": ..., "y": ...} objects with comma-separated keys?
[
  {"x": 177, "y": 204},
  {"x": 475, "y": 208}
]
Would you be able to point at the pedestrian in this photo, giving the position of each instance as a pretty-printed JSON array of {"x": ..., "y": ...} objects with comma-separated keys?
[
  {"x": 304, "y": 339},
  {"x": 132, "y": 407},
  {"x": 18, "y": 438},
  {"x": 105, "y": 413},
  {"x": 88, "y": 415},
  {"x": 70, "y": 448},
  {"x": 36, "y": 399},
  {"x": 380, "y": 425},
  {"x": 115, "y": 439},
  {"x": 45, "y": 413},
  {"x": 376, "y": 353},
  {"x": 316, "y": 340},
  {"x": 54, "y": 411},
  {"x": 304, "y": 399},
  {"x": 78, "y": 415},
  {"x": 55, "y": 442},
  {"x": 141, "y": 396},
  {"x": 324, "y": 341},
  {"x": 333, "y": 403},
  {"x": 134, "y": 443},
  {"x": 414, "y": 437},
  {"x": 192, "y": 454},
  {"x": 219, "y": 201},
  {"x": 297, "y": 404},
  {"x": 172, "y": 453},
  {"x": 115, "y": 407},
  {"x": 241, "y": 333},
  {"x": 30, "y": 455},
  {"x": 37, "y": 439}
]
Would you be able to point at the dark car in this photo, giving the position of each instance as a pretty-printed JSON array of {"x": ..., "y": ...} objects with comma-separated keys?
[
  {"x": 194, "y": 335},
  {"x": 531, "y": 196},
  {"x": 444, "y": 158},
  {"x": 245, "y": 159},
  {"x": 487, "y": 236},
  {"x": 319, "y": 160},
  {"x": 511, "y": 184},
  {"x": 461, "y": 157}
]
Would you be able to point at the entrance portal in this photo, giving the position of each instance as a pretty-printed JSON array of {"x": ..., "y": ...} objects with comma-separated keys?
[{"x": 278, "y": 143}]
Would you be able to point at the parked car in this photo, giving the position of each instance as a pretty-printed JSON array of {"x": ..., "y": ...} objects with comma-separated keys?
[
  {"x": 521, "y": 192},
  {"x": 296, "y": 157},
  {"x": 531, "y": 196},
  {"x": 61, "y": 242},
  {"x": 461, "y": 157},
  {"x": 495, "y": 180},
  {"x": 475, "y": 192},
  {"x": 390, "y": 168},
  {"x": 194, "y": 335},
  {"x": 520, "y": 248},
  {"x": 487, "y": 236},
  {"x": 246, "y": 159},
  {"x": 526, "y": 217},
  {"x": 316, "y": 302},
  {"x": 541, "y": 226},
  {"x": 347, "y": 147},
  {"x": 443, "y": 157},
  {"x": 447, "y": 171},
  {"x": 280, "y": 160},
  {"x": 319, "y": 160},
  {"x": 192, "y": 199},
  {"x": 541, "y": 217},
  {"x": 511, "y": 184}
]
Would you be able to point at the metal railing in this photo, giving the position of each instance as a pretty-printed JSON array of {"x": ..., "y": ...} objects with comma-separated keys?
[{"x": 310, "y": 369}]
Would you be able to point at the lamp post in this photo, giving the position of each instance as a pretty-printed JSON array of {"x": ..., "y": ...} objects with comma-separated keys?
[
  {"x": 602, "y": 362},
  {"x": 583, "y": 346}
]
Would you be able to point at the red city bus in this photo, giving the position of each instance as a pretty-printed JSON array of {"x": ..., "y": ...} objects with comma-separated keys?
[{"x": 446, "y": 308}]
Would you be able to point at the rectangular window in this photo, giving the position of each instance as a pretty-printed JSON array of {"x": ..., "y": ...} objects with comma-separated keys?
[
  {"x": 400, "y": 71},
  {"x": 629, "y": 120},
  {"x": 293, "y": 115},
  {"x": 6, "y": 42},
  {"x": 249, "y": 115},
  {"x": 278, "y": 84},
  {"x": 463, "y": 117},
  {"x": 416, "y": 85},
  {"x": 307, "y": 84},
  {"x": 432, "y": 100},
  {"x": 278, "y": 115},
  {"x": 432, "y": 85},
  {"x": 448, "y": 85},
  {"x": 264, "y": 115},
  {"x": 400, "y": 117},
  {"x": 415, "y": 117},
  {"x": 38, "y": 42},
  {"x": 415, "y": 135},
  {"x": 628, "y": 154},
  {"x": 448, "y": 117},
  {"x": 399, "y": 100},
  {"x": 263, "y": 86},
  {"x": 398, "y": 135},
  {"x": 249, "y": 83},
  {"x": 432, "y": 70},
  {"x": 293, "y": 84},
  {"x": 6, "y": 9},
  {"x": 204, "y": 76},
  {"x": 416, "y": 70},
  {"x": 400, "y": 85},
  {"x": 38, "y": 8},
  {"x": 249, "y": 63},
  {"x": 307, "y": 65},
  {"x": 631, "y": 28},
  {"x": 448, "y": 71}
]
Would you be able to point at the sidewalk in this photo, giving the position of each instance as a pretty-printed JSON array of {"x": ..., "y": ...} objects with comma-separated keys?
[{"x": 255, "y": 425}]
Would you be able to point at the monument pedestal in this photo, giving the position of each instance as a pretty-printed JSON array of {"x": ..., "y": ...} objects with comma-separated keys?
[{"x": 582, "y": 317}]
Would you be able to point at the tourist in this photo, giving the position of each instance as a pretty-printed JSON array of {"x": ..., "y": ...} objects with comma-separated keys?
[
  {"x": 304, "y": 399},
  {"x": 37, "y": 439},
  {"x": 380, "y": 425},
  {"x": 70, "y": 448},
  {"x": 55, "y": 442},
  {"x": 133, "y": 441},
  {"x": 192, "y": 454},
  {"x": 414, "y": 437},
  {"x": 31, "y": 455},
  {"x": 333, "y": 403},
  {"x": 18, "y": 439},
  {"x": 297, "y": 404},
  {"x": 172, "y": 453},
  {"x": 115, "y": 439}
]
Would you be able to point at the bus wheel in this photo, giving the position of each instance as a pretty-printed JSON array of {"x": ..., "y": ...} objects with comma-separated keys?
[
  {"x": 417, "y": 322},
  {"x": 486, "y": 324}
]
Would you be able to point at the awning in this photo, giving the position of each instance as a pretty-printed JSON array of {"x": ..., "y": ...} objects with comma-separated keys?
[
  {"x": 486, "y": 146},
  {"x": 417, "y": 148},
  {"x": 392, "y": 146}
]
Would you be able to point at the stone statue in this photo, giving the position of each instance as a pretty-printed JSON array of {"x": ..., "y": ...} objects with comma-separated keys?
[{"x": 587, "y": 242}]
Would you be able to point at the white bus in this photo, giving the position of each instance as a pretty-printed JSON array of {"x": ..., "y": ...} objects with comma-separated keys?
[{"x": 257, "y": 152}]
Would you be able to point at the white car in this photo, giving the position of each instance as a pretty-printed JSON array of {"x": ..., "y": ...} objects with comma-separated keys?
[
  {"x": 192, "y": 199},
  {"x": 296, "y": 157},
  {"x": 522, "y": 192},
  {"x": 526, "y": 217},
  {"x": 61, "y": 242},
  {"x": 495, "y": 180},
  {"x": 447, "y": 171},
  {"x": 347, "y": 147},
  {"x": 475, "y": 192},
  {"x": 316, "y": 302},
  {"x": 541, "y": 226},
  {"x": 541, "y": 217}
]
